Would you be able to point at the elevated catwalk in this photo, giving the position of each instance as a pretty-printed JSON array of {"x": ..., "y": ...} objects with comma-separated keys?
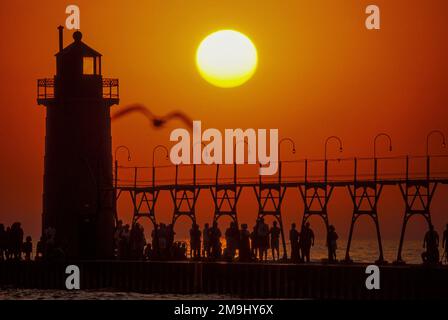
[{"x": 416, "y": 177}]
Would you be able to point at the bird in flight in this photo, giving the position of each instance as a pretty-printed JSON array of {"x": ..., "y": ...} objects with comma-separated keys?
[{"x": 156, "y": 121}]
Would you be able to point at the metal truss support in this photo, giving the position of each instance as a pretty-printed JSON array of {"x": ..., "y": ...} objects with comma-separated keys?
[
  {"x": 417, "y": 195},
  {"x": 143, "y": 201},
  {"x": 184, "y": 198},
  {"x": 144, "y": 205},
  {"x": 225, "y": 198},
  {"x": 270, "y": 197},
  {"x": 316, "y": 196},
  {"x": 365, "y": 196}
]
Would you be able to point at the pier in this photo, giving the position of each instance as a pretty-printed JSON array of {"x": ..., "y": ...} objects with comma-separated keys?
[
  {"x": 239, "y": 280},
  {"x": 417, "y": 178}
]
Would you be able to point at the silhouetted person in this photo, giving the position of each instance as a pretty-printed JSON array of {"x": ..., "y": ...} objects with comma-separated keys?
[
  {"x": 255, "y": 241},
  {"x": 431, "y": 243},
  {"x": 137, "y": 241},
  {"x": 232, "y": 241},
  {"x": 50, "y": 250},
  {"x": 183, "y": 251},
  {"x": 163, "y": 241},
  {"x": 133, "y": 252},
  {"x": 445, "y": 243},
  {"x": 307, "y": 241},
  {"x": 8, "y": 243},
  {"x": 3, "y": 242},
  {"x": 155, "y": 241},
  {"x": 294, "y": 241},
  {"x": 117, "y": 236},
  {"x": 195, "y": 241},
  {"x": 206, "y": 241},
  {"x": 275, "y": 243},
  {"x": 16, "y": 239},
  {"x": 123, "y": 247},
  {"x": 40, "y": 248},
  {"x": 263, "y": 239},
  {"x": 28, "y": 248},
  {"x": 170, "y": 235},
  {"x": 148, "y": 254},
  {"x": 215, "y": 241},
  {"x": 178, "y": 251},
  {"x": 244, "y": 244},
  {"x": 332, "y": 238}
]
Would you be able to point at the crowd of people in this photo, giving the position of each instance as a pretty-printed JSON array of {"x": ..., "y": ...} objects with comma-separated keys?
[
  {"x": 249, "y": 245},
  {"x": 130, "y": 243},
  {"x": 254, "y": 245},
  {"x": 12, "y": 246},
  {"x": 241, "y": 244}
]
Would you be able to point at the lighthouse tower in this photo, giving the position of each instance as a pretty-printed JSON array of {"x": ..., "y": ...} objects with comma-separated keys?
[{"x": 78, "y": 197}]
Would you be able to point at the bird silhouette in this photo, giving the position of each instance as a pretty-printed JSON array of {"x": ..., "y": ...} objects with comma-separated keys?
[{"x": 156, "y": 121}]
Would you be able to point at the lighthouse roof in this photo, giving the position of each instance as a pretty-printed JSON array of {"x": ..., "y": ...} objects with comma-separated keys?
[{"x": 78, "y": 48}]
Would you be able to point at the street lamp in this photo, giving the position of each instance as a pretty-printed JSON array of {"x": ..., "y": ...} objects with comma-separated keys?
[
  {"x": 118, "y": 149},
  {"x": 375, "y": 160},
  {"x": 116, "y": 161},
  {"x": 116, "y": 175},
  {"x": 160, "y": 146},
  {"x": 286, "y": 140},
  {"x": 326, "y": 145},
  {"x": 279, "y": 154},
  {"x": 375, "y": 141},
  {"x": 328, "y": 140},
  {"x": 428, "y": 137}
]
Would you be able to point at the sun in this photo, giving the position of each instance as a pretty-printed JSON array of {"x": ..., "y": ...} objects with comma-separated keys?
[{"x": 226, "y": 58}]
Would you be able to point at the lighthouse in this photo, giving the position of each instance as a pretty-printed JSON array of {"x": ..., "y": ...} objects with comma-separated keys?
[{"x": 78, "y": 195}]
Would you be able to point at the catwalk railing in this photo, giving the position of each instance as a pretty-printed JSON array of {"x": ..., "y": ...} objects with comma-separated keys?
[{"x": 417, "y": 178}]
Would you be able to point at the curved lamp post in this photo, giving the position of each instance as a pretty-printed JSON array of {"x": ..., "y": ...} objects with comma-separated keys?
[
  {"x": 293, "y": 145},
  {"x": 428, "y": 138},
  {"x": 375, "y": 160},
  {"x": 116, "y": 161},
  {"x": 428, "y": 156},
  {"x": 122, "y": 147},
  {"x": 116, "y": 176},
  {"x": 286, "y": 140},
  {"x": 326, "y": 145},
  {"x": 375, "y": 141}
]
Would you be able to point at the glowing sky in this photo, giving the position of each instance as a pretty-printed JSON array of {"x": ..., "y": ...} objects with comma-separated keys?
[{"x": 322, "y": 74}]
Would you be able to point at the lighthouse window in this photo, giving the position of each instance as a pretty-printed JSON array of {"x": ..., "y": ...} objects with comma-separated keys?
[{"x": 88, "y": 65}]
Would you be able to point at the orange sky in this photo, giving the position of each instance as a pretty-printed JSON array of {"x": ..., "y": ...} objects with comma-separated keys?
[{"x": 320, "y": 73}]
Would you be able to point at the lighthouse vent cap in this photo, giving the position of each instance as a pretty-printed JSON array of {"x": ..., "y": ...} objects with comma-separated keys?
[{"x": 77, "y": 36}]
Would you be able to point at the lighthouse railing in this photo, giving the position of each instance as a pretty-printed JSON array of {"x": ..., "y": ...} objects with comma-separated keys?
[
  {"x": 45, "y": 90},
  {"x": 111, "y": 89}
]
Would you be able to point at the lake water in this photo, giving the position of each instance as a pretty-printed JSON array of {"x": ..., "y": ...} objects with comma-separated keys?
[{"x": 365, "y": 251}]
